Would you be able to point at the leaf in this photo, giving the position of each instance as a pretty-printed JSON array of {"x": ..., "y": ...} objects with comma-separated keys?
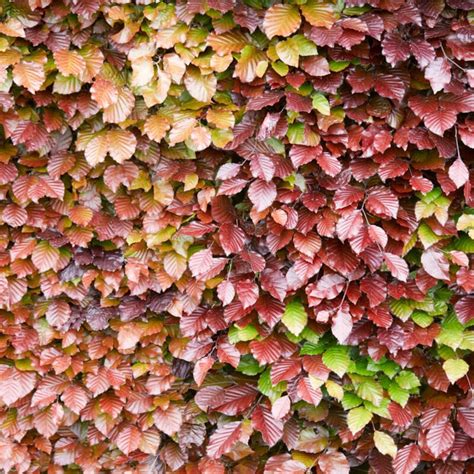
[
  {"x": 319, "y": 13},
  {"x": 407, "y": 459},
  {"x": 128, "y": 439},
  {"x": 349, "y": 225},
  {"x": 342, "y": 326},
  {"x": 262, "y": 194},
  {"x": 385, "y": 444},
  {"x": 329, "y": 164},
  {"x": 438, "y": 72},
  {"x": 281, "y": 407},
  {"x": 201, "y": 87},
  {"x": 247, "y": 292},
  {"x": 226, "y": 292},
  {"x": 382, "y": 202},
  {"x": 333, "y": 462},
  {"x": 75, "y": 398},
  {"x": 440, "y": 120},
  {"x": 69, "y": 62},
  {"x": 222, "y": 440},
  {"x": 270, "y": 428},
  {"x": 231, "y": 238},
  {"x": 396, "y": 265},
  {"x": 321, "y": 104},
  {"x": 284, "y": 370},
  {"x": 358, "y": 418},
  {"x": 337, "y": 359},
  {"x": 435, "y": 264},
  {"x": 440, "y": 438},
  {"x": 455, "y": 369},
  {"x": 30, "y": 75},
  {"x": 281, "y": 20},
  {"x": 295, "y": 317},
  {"x": 175, "y": 265},
  {"x": 458, "y": 173},
  {"x": 465, "y": 417},
  {"x": 15, "y": 384},
  {"x": 45, "y": 256}
]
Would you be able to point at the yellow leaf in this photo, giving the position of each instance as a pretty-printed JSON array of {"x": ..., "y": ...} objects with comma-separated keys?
[{"x": 385, "y": 444}]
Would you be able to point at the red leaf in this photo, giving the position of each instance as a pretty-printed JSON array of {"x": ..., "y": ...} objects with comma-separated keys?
[
  {"x": 247, "y": 291},
  {"x": 200, "y": 262},
  {"x": 270, "y": 310},
  {"x": 396, "y": 265},
  {"x": 349, "y": 225},
  {"x": 262, "y": 194},
  {"x": 440, "y": 438},
  {"x": 266, "y": 351},
  {"x": 274, "y": 282},
  {"x": 333, "y": 462},
  {"x": 307, "y": 393},
  {"x": 128, "y": 439},
  {"x": 382, "y": 202},
  {"x": 226, "y": 292},
  {"x": 458, "y": 173},
  {"x": 465, "y": 418},
  {"x": 375, "y": 287},
  {"x": 231, "y": 238},
  {"x": 281, "y": 407},
  {"x": 222, "y": 440},
  {"x": 308, "y": 244},
  {"x": 270, "y": 428},
  {"x": 285, "y": 370},
  {"x": 407, "y": 459},
  {"x": 423, "y": 51},
  {"x": 201, "y": 368},
  {"x": 15, "y": 384},
  {"x": 262, "y": 167},
  {"x": 347, "y": 195},
  {"x": 440, "y": 121},
  {"x": 329, "y": 164},
  {"x": 342, "y": 326},
  {"x": 236, "y": 400},
  {"x": 464, "y": 309},
  {"x": 394, "y": 48},
  {"x": 438, "y": 72},
  {"x": 435, "y": 264}
]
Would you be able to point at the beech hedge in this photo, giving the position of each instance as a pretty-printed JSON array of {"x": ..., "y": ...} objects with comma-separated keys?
[{"x": 236, "y": 236}]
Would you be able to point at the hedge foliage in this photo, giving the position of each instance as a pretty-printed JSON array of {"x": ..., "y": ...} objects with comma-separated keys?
[{"x": 236, "y": 236}]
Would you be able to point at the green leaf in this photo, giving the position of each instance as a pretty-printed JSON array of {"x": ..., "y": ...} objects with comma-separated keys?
[
  {"x": 422, "y": 319},
  {"x": 246, "y": 333},
  {"x": 407, "y": 380},
  {"x": 401, "y": 308},
  {"x": 321, "y": 104},
  {"x": 455, "y": 369},
  {"x": 298, "y": 134},
  {"x": 305, "y": 46},
  {"x": 248, "y": 365},
  {"x": 336, "y": 66},
  {"x": 295, "y": 317},
  {"x": 381, "y": 410},
  {"x": 427, "y": 236},
  {"x": 337, "y": 359},
  {"x": 350, "y": 400},
  {"x": 310, "y": 348},
  {"x": 273, "y": 392},
  {"x": 385, "y": 444},
  {"x": 357, "y": 418},
  {"x": 280, "y": 68},
  {"x": 398, "y": 394},
  {"x": 370, "y": 390}
]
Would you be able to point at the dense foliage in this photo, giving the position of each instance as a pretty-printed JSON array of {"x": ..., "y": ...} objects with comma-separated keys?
[{"x": 236, "y": 236}]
